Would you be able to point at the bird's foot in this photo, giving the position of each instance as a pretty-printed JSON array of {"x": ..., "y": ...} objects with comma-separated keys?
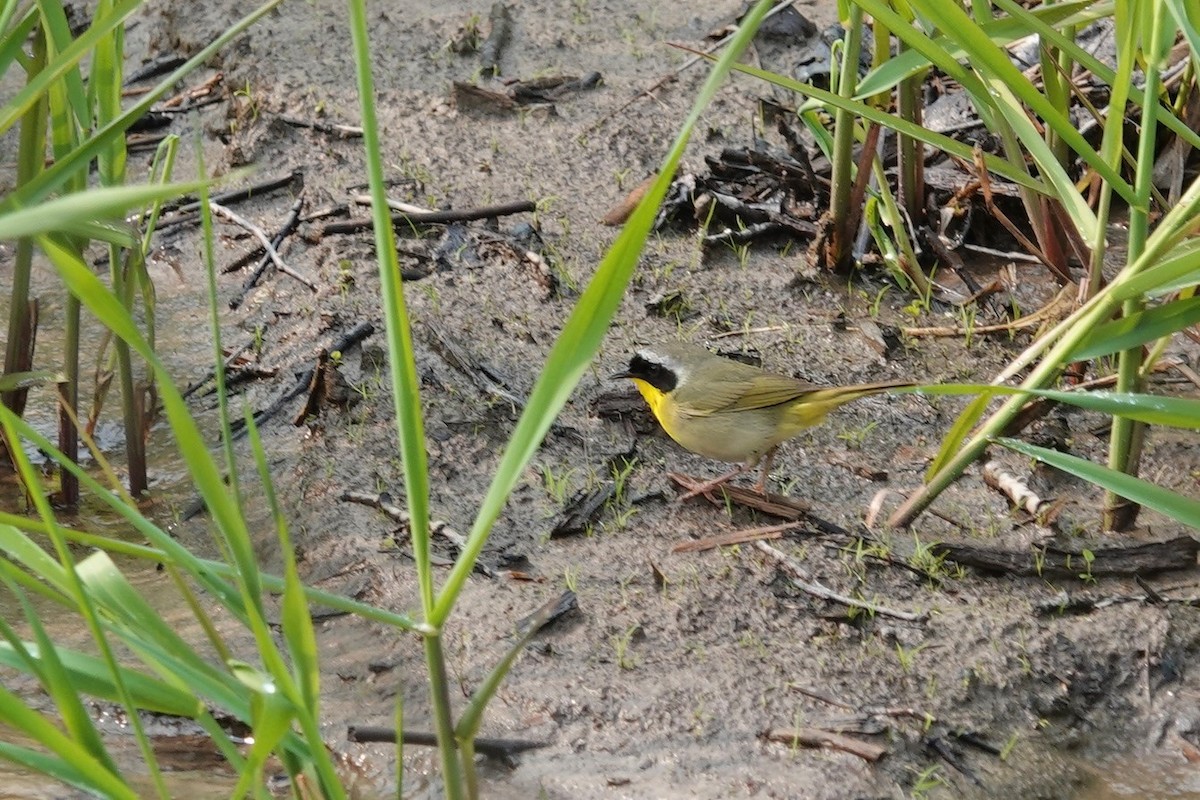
[{"x": 698, "y": 488}]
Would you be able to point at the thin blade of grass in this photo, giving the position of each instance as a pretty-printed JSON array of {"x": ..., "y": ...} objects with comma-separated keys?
[
  {"x": 64, "y": 168},
  {"x": 13, "y": 42},
  {"x": 1011, "y": 93},
  {"x": 209, "y": 574},
  {"x": 1178, "y": 269},
  {"x": 58, "y": 33},
  {"x": 1142, "y": 492},
  {"x": 1001, "y": 30},
  {"x": 71, "y": 764},
  {"x": 958, "y": 433},
  {"x": 54, "y": 680},
  {"x": 1174, "y": 412},
  {"x": 90, "y": 677},
  {"x": 1187, "y": 19},
  {"x": 1138, "y": 329},
  {"x": 77, "y": 213},
  {"x": 871, "y": 113},
  {"x": 583, "y": 332},
  {"x": 61, "y": 65}
]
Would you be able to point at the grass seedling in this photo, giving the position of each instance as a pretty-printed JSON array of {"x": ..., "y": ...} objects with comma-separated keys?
[
  {"x": 907, "y": 656},
  {"x": 621, "y": 642}
]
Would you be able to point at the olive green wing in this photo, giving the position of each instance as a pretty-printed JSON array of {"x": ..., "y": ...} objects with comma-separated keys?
[{"x": 749, "y": 391}]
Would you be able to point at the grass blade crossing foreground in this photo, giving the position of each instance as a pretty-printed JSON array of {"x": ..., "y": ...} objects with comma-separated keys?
[
  {"x": 583, "y": 332},
  {"x": 1142, "y": 492}
]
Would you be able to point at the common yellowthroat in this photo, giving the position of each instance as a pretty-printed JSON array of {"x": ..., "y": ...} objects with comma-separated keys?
[{"x": 730, "y": 411}]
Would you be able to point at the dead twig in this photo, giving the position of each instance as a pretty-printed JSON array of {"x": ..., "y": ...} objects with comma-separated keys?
[
  {"x": 776, "y": 505},
  {"x": 803, "y": 581},
  {"x": 433, "y": 217},
  {"x": 816, "y": 737},
  {"x": 331, "y": 129},
  {"x": 1143, "y": 559},
  {"x": 489, "y": 55},
  {"x": 1056, "y": 308},
  {"x": 492, "y": 748},
  {"x": 186, "y": 213},
  {"x": 352, "y": 337},
  {"x": 736, "y": 537},
  {"x": 261, "y": 235},
  {"x": 212, "y": 373},
  {"x": 289, "y": 225},
  {"x": 437, "y": 527}
]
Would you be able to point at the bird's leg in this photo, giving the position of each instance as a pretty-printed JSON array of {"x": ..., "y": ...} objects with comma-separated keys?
[
  {"x": 761, "y": 486},
  {"x": 708, "y": 486}
]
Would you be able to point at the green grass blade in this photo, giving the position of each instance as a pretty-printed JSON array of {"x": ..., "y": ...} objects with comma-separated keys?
[
  {"x": 1138, "y": 329},
  {"x": 1010, "y": 93},
  {"x": 1187, "y": 19},
  {"x": 212, "y": 575},
  {"x": 90, "y": 677},
  {"x": 584, "y": 330},
  {"x": 1178, "y": 269},
  {"x": 53, "y": 178},
  {"x": 1002, "y": 31},
  {"x": 58, "y": 35},
  {"x": 78, "y": 213},
  {"x": 871, "y": 113},
  {"x": 72, "y": 766},
  {"x": 1139, "y": 491},
  {"x": 294, "y": 614},
  {"x": 958, "y": 433},
  {"x": 61, "y": 65},
  {"x": 406, "y": 386},
  {"x": 472, "y": 716},
  {"x": 12, "y": 42},
  {"x": 1175, "y": 412}
]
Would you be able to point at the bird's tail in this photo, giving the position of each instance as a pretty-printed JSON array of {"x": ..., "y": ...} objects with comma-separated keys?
[{"x": 812, "y": 407}]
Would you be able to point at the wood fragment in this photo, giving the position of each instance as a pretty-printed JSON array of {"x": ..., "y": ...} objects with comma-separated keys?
[
  {"x": 1054, "y": 310},
  {"x": 803, "y": 581},
  {"x": 582, "y": 510},
  {"x": 550, "y": 612},
  {"x": 1143, "y": 559},
  {"x": 225, "y": 365},
  {"x": 1012, "y": 486},
  {"x": 777, "y": 505},
  {"x": 161, "y": 65},
  {"x": 343, "y": 344},
  {"x": 816, "y": 737},
  {"x": 492, "y": 748},
  {"x": 383, "y": 502},
  {"x": 485, "y": 378},
  {"x": 188, "y": 213},
  {"x": 316, "y": 390},
  {"x": 188, "y": 96},
  {"x": 469, "y": 98},
  {"x": 489, "y": 55},
  {"x": 735, "y": 537},
  {"x": 620, "y": 212}
]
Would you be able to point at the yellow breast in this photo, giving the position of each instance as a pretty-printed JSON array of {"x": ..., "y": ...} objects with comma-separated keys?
[{"x": 741, "y": 435}]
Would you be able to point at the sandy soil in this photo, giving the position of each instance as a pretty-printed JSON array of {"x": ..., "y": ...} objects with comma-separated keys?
[{"x": 662, "y": 682}]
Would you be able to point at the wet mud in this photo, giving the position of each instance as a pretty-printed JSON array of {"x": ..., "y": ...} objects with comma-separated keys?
[{"x": 681, "y": 673}]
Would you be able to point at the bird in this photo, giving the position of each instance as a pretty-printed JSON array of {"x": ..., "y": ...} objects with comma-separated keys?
[{"x": 730, "y": 411}]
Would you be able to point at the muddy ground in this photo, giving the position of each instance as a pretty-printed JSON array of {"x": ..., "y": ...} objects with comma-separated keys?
[{"x": 663, "y": 681}]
